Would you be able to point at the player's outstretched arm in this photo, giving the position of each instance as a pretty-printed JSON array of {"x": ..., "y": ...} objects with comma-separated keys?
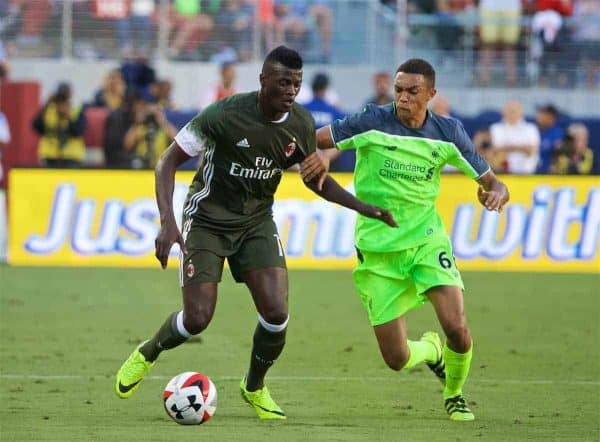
[
  {"x": 164, "y": 183},
  {"x": 332, "y": 191},
  {"x": 492, "y": 193},
  {"x": 317, "y": 164}
]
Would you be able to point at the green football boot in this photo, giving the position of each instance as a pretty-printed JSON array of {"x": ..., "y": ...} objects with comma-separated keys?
[
  {"x": 131, "y": 373},
  {"x": 457, "y": 409},
  {"x": 438, "y": 367},
  {"x": 263, "y": 403}
]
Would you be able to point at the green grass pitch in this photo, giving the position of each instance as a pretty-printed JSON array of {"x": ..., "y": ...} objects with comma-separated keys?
[{"x": 65, "y": 332}]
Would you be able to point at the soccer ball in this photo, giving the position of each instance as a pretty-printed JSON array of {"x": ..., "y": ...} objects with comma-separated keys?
[{"x": 190, "y": 398}]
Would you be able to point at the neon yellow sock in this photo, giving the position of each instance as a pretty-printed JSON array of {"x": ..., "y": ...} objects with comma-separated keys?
[
  {"x": 420, "y": 351},
  {"x": 457, "y": 370}
]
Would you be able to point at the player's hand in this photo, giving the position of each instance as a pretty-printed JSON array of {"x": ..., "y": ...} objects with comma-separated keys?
[
  {"x": 168, "y": 235},
  {"x": 378, "y": 213},
  {"x": 493, "y": 199},
  {"x": 315, "y": 166}
]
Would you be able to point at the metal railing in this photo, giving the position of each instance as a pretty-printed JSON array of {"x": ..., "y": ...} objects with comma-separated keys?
[{"x": 363, "y": 32}]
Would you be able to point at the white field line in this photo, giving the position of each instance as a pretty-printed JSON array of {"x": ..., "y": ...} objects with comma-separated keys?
[{"x": 59, "y": 377}]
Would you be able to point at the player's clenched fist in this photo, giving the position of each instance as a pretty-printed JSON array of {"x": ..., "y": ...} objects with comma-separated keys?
[
  {"x": 493, "y": 199},
  {"x": 167, "y": 236},
  {"x": 378, "y": 213}
]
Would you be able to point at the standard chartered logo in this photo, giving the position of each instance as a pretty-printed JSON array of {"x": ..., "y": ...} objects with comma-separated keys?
[
  {"x": 261, "y": 170},
  {"x": 406, "y": 171}
]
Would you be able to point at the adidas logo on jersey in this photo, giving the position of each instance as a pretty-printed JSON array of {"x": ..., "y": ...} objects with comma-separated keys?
[{"x": 243, "y": 143}]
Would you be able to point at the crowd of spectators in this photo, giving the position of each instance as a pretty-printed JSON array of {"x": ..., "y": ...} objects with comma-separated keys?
[
  {"x": 216, "y": 30},
  {"x": 536, "y": 41},
  {"x": 514, "y": 40},
  {"x": 140, "y": 120}
]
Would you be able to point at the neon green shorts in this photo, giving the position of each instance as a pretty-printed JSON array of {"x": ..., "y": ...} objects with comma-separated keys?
[{"x": 392, "y": 283}]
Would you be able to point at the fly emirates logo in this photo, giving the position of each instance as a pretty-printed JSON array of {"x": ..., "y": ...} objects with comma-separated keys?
[{"x": 261, "y": 171}]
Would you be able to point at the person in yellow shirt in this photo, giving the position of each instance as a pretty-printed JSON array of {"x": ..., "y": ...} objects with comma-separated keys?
[
  {"x": 149, "y": 136},
  {"x": 574, "y": 156},
  {"x": 60, "y": 126}
]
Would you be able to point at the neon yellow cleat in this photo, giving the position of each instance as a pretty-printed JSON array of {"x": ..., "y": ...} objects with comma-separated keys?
[
  {"x": 457, "y": 409},
  {"x": 131, "y": 373},
  {"x": 261, "y": 400},
  {"x": 438, "y": 367}
]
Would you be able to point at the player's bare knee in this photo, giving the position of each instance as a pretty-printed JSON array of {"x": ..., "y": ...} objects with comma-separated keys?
[
  {"x": 275, "y": 316},
  {"x": 196, "y": 321},
  {"x": 396, "y": 360},
  {"x": 459, "y": 336}
]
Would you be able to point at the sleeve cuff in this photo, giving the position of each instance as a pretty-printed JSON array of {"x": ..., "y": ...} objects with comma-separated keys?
[{"x": 188, "y": 142}]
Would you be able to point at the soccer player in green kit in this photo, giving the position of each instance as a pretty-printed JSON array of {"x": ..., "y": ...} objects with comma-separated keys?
[
  {"x": 400, "y": 150},
  {"x": 245, "y": 143}
]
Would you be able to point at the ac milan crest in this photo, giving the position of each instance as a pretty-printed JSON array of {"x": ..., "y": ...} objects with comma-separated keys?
[
  {"x": 290, "y": 149},
  {"x": 189, "y": 270}
]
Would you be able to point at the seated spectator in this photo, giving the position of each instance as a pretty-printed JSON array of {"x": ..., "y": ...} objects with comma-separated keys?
[
  {"x": 233, "y": 28},
  {"x": 515, "y": 142},
  {"x": 10, "y": 24},
  {"x": 135, "y": 30},
  {"x": 448, "y": 30},
  {"x": 548, "y": 48},
  {"x": 499, "y": 32},
  {"x": 112, "y": 93},
  {"x": 382, "y": 86},
  {"x": 149, "y": 135},
  {"x": 60, "y": 126},
  {"x": 34, "y": 16},
  {"x": 266, "y": 23},
  {"x": 586, "y": 40},
  {"x": 190, "y": 24},
  {"x": 551, "y": 135},
  {"x": 293, "y": 19},
  {"x": 223, "y": 89},
  {"x": 573, "y": 156}
]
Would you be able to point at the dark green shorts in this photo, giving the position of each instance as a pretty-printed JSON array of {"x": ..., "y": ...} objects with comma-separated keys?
[{"x": 254, "y": 248}]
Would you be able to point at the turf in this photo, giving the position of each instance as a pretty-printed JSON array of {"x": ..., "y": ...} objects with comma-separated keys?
[{"x": 535, "y": 375}]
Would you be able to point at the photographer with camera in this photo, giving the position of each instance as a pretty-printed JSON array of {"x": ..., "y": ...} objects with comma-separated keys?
[
  {"x": 149, "y": 135},
  {"x": 60, "y": 126},
  {"x": 574, "y": 156}
]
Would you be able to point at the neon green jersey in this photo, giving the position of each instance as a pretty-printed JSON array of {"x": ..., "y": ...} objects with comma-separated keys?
[{"x": 398, "y": 168}]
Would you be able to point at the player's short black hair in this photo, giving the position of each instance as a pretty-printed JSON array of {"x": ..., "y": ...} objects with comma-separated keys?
[
  {"x": 286, "y": 56},
  {"x": 418, "y": 66}
]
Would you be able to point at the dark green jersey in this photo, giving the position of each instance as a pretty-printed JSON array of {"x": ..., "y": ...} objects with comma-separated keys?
[{"x": 242, "y": 158}]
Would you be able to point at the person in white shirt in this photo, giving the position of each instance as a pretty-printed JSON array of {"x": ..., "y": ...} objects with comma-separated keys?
[{"x": 515, "y": 142}]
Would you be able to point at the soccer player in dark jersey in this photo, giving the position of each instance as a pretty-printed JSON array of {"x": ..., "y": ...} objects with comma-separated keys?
[
  {"x": 401, "y": 148},
  {"x": 245, "y": 142}
]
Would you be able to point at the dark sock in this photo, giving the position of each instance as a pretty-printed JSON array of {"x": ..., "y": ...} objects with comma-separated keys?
[
  {"x": 267, "y": 347},
  {"x": 166, "y": 337}
]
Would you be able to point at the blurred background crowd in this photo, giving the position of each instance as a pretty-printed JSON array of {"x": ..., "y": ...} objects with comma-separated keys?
[{"x": 141, "y": 51}]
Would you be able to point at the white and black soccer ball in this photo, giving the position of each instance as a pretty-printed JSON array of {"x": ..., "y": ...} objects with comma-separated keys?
[{"x": 190, "y": 398}]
